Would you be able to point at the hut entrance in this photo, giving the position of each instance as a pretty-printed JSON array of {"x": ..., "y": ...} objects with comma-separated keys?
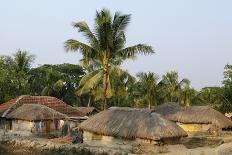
[{"x": 47, "y": 126}]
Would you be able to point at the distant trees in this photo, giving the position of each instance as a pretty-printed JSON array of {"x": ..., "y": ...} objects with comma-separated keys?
[
  {"x": 14, "y": 75},
  {"x": 82, "y": 85},
  {"x": 147, "y": 89},
  {"x": 60, "y": 81},
  {"x": 227, "y": 89}
]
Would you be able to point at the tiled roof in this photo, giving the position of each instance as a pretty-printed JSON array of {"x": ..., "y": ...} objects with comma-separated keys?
[{"x": 48, "y": 101}]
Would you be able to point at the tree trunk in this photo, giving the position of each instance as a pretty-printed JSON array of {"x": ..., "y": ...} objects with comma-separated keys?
[
  {"x": 89, "y": 99},
  {"x": 105, "y": 78}
]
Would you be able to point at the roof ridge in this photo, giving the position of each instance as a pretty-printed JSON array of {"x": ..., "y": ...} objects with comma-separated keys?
[{"x": 7, "y": 111}]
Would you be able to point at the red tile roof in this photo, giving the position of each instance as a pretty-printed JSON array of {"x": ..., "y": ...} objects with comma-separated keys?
[{"x": 48, "y": 101}]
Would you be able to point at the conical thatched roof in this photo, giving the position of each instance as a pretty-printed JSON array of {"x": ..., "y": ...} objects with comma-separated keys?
[
  {"x": 33, "y": 112},
  {"x": 193, "y": 114},
  {"x": 132, "y": 123}
]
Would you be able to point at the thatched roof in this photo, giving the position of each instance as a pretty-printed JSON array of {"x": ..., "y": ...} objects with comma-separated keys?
[
  {"x": 48, "y": 101},
  {"x": 193, "y": 114},
  {"x": 132, "y": 123},
  {"x": 88, "y": 110},
  {"x": 33, "y": 112}
]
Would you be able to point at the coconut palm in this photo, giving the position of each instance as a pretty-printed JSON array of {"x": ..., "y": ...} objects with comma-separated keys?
[
  {"x": 23, "y": 61},
  {"x": 106, "y": 44},
  {"x": 147, "y": 89},
  {"x": 171, "y": 86}
]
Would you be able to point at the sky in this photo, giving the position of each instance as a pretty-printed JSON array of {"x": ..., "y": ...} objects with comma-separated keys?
[{"x": 192, "y": 37}]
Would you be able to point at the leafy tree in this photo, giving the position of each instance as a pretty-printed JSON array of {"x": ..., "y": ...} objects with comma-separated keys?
[
  {"x": 60, "y": 81},
  {"x": 14, "y": 75},
  {"x": 106, "y": 44},
  {"x": 227, "y": 89}
]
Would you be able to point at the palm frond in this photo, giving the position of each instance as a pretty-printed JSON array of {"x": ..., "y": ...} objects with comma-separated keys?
[
  {"x": 87, "y": 77},
  {"x": 84, "y": 28},
  {"x": 120, "y": 22},
  {"x": 91, "y": 83},
  {"x": 87, "y": 51},
  {"x": 133, "y": 50}
]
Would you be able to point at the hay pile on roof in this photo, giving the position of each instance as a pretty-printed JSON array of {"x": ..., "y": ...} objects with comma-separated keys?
[
  {"x": 88, "y": 110},
  {"x": 48, "y": 101},
  {"x": 193, "y": 114},
  {"x": 132, "y": 123},
  {"x": 35, "y": 112}
]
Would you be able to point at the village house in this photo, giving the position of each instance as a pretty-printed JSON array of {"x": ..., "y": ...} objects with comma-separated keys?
[
  {"x": 37, "y": 119},
  {"x": 48, "y": 101},
  {"x": 195, "y": 118},
  {"x": 129, "y": 126}
]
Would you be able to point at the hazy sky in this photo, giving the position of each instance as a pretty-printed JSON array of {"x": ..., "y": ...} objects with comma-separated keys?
[{"x": 193, "y": 37}]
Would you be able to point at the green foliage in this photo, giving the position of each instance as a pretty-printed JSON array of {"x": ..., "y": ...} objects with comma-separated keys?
[
  {"x": 172, "y": 89},
  {"x": 146, "y": 90},
  {"x": 14, "y": 75},
  {"x": 227, "y": 90},
  {"x": 60, "y": 81}
]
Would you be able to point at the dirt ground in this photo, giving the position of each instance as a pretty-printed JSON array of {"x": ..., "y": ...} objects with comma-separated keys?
[{"x": 188, "y": 146}]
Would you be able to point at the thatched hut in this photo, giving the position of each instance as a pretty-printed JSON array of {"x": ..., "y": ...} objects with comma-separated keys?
[
  {"x": 195, "y": 118},
  {"x": 137, "y": 125},
  {"x": 26, "y": 116}
]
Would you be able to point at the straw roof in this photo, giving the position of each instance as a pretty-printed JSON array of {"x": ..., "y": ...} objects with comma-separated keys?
[
  {"x": 48, "y": 101},
  {"x": 88, "y": 110},
  {"x": 132, "y": 123},
  {"x": 33, "y": 112},
  {"x": 193, "y": 114}
]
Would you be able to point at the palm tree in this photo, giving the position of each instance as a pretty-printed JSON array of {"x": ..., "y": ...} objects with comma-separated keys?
[
  {"x": 147, "y": 88},
  {"x": 171, "y": 86},
  {"x": 23, "y": 61},
  {"x": 106, "y": 44}
]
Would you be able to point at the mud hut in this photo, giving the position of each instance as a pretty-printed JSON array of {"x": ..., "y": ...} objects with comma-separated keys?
[
  {"x": 26, "y": 117},
  {"x": 118, "y": 125},
  {"x": 195, "y": 118}
]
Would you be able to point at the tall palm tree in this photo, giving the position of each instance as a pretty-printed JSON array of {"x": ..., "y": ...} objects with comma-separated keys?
[
  {"x": 106, "y": 43},
  {"x": 147, "y": 88}
]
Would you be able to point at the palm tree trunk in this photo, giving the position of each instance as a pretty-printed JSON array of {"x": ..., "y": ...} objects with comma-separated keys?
[
  {"x": 105, "y": 90},
  {"x": 105, "y": 80},
  {"x": 89, "y": 102}
]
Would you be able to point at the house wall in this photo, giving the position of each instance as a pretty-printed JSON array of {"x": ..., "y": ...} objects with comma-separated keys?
[
  {"x": 21, "y": 125},
  {"x": 5, "y": 124},
  {"x": 194, "y": 127},
  {"x": 28, "y": 127},
  {"x": 109, "y": 141}
]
